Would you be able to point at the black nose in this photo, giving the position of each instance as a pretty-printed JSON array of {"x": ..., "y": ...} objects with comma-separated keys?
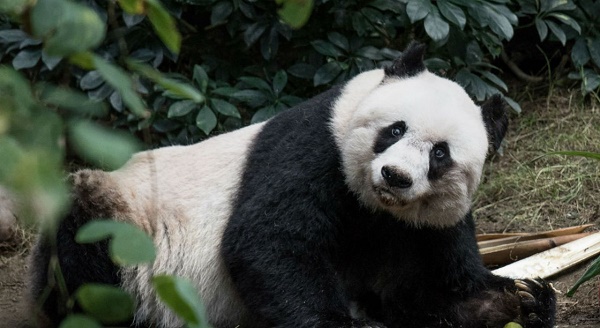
[{"x": 395, "y": 179}]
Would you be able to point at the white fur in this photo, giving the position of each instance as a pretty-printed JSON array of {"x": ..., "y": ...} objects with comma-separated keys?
[
  {"x": 435, "y": 109},
  {"x": 182, "y": 196}
]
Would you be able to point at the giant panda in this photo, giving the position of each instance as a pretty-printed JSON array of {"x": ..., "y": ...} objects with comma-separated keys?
[{"x": 350, "y": 210}]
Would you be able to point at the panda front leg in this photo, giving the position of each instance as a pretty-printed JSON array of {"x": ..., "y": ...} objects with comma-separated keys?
[
  {"x": 286, "y": 278},
  {"x": 529, "y": 302}
]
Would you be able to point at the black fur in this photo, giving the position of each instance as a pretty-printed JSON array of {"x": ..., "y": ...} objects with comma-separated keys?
[
  {"x": 300, "y": 248},
  {"x": 409, "y": 64},
  {"x": 495, "y": 119}
]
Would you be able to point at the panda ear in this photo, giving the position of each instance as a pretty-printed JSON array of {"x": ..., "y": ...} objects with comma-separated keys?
[
  {"x": 495, "y": 119},
  {"x": 410, "y": 63}
]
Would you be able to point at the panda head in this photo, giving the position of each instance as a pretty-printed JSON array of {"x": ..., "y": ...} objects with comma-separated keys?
[{"x": 413, "y": 143}]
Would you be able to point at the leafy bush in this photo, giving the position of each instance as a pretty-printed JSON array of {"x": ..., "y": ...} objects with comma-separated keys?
[{"x": 176, "y": 71}]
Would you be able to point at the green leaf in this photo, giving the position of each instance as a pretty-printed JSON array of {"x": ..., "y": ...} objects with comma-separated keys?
[
  {"x": 50, "y": 61},
  {"x": 586, "y": 154},
  {"x": 369, "y": 52},
  {"x": 591, "y": 272},
  {"x": 224, "y": 91},
  {"x": 325, "y": 48},
  {"x": 418, "y": 9},
  {"x": 84, "y": 60},
  {"x": 79, "y": 321},
  {"x": 106, "y": 148},
  {"x": 108, "y": 304},
  {"x": 181, "y": 108},
  {"x": 498, "y": 23},
  {"x": 453, "y": 13},
  {"x": 181, "y": 297},
  {"x": 26, "y": 59},
  {"x": 567, "y": 20},
  {"x": 557, "y": 31},
  {"x": 542, "y": 28},
  {"x": 200, "y": 77},
  {"x": 176, "y": 88},
  {"x": 579, "y": 53},
  {"x": 263, "y": 114},
  {"x": 256, "y": 83},
  {"x": 14, "y": 7},
  {"x": 254, "y": 32},
  {"x": 206, "y": 120},
  {"x": 494, "y": 79},
  {"x": 302, "y": 70},
  {"x": 594, "y": 48},
  {"x": 513, "y": 104},
  {"x": 122, "y": 83},
  {"x": 436, "y": 27},
  {"x": 295, "y": 12},
  {"x": 70, "y": 99},
  {"x": 35, "y": 173},
  {"x": 66, "y": 27},
  {"x": 164, "y": 25},
  {"x": 591, "y": 81},
  {"x": 133, "y": 7},
  {"x": 220, "y": 11},
  {"x": 327, "y": 73},
  {"x": 128, "y": 244},
  {"x": 224, "y": 108},
  {"x": 253, "y": 98},
  {"x": 279, "y": 82},
  {"x": 391, "y": 5},
  {"x": 339, "y": 40}
]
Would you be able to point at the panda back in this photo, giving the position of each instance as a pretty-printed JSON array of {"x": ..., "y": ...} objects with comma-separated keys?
[{"x": 182, "y": 196}]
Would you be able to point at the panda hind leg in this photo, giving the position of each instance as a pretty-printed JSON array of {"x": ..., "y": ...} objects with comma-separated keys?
[{"x": 59, "y": 265}]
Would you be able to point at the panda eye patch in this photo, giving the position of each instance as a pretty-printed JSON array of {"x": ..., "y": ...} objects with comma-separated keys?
[
  {"x": 388, "y": 136},
  {"x": 439, "y": 160}
]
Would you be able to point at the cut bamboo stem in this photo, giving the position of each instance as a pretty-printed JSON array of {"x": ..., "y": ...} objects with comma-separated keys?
[
  {"x": 545, "y": 234},
  {"x": 553, "y": 261},
  {"x": 514, "y": 251}
]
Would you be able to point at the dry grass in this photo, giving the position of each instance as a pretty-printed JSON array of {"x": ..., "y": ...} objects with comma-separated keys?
[
  {"x": 526, "y": 191},
  {"x": 18, "y": 245}
]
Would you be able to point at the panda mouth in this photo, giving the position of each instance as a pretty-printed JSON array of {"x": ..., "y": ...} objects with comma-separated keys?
[{"x": 387, "y": 197}]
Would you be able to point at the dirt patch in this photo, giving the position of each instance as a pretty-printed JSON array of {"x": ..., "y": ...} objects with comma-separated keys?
[
  {"x": 13, "y": 312},
  {"x": 582, "y": 310}
]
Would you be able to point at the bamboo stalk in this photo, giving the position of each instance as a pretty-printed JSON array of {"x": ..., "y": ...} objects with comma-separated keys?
[
  {"x": 535, "y": 235},
  {"x": 511, "y": 252},
  {"x": 553, "y": 261}
]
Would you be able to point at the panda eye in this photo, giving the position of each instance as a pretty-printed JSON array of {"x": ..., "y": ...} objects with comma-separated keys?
[
  {"x": 398, "y": 129},
  {"x": 440, "y": 151}
]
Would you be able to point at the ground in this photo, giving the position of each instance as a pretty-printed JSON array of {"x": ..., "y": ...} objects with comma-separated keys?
[{"x": 520, "y": 192}]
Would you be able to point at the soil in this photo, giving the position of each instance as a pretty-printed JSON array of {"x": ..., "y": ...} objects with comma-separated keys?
[{"x": 520, "y": 192}]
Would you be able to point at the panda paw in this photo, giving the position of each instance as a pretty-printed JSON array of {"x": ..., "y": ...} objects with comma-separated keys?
[{"x": 538, "y": 303}]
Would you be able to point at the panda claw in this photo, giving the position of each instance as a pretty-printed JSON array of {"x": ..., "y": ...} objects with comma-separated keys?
[
  {"x": 526, "y": 295},
  {"x": 538, "y": 302},
  {"x": 539, "y": 284},
  {"x": 522, "y": 286}
]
